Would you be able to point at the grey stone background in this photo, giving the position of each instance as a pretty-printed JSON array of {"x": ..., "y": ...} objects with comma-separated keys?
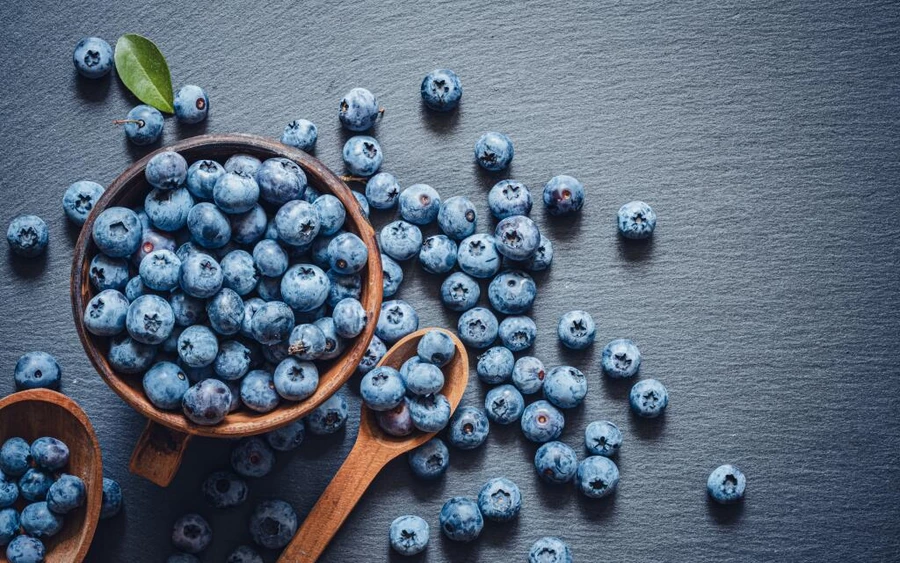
[{"x": 765, "y": 134}]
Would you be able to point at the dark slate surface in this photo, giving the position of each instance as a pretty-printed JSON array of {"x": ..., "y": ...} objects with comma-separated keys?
[{"x": 766, "y": 136}]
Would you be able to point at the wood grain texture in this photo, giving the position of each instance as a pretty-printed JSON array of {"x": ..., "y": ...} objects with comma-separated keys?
[
  {"x": 37, "y": 413},
  {"x": 765, "y": 134},
  {"x": 373, "y": 449}
]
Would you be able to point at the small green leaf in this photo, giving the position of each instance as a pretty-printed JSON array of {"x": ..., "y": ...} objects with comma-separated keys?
[{"x": 143, "y": 69}]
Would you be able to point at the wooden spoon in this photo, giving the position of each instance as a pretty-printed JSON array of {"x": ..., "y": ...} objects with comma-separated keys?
[
  {"x": 373, "y": 449},
  {"x": 40, "y": 412}
]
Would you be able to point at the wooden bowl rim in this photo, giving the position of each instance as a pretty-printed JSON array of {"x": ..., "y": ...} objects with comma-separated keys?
[
  {"x": 94, "y": 500},
  {"x": 321, "y": 178}
]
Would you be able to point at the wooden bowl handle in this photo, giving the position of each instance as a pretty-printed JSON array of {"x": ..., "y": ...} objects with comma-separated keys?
[
  {"x": 157, "y": 455},
  {"x": 336, "y": 503}
]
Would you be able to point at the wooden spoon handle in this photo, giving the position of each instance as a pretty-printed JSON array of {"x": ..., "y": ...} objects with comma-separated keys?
[
  {"x": 335, "y": 504},
  {"x": 157, "y": 455}
]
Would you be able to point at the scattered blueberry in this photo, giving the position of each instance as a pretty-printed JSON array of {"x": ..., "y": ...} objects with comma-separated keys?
[
  {"x": 468, "y": 428},
  {"x": 565, "y": 387},
  {"x": 301, "y": 134},
  {"x": 542, "y": 257},
  {"x": 542, "y": 422},
  {"x": 459, "y": 292},
  {"x": 112, "y": 499},
  {"x": 409, "y": 535},
  {"x": 576, "y": 330},
  {"x": 726, "y": 484},
  {"x": 517, "y": 237},
  {"x": 288, "y": 437},
  {"x": 500, "y": 500},
  {"x": 358, "y": 110},
  {"x": 441, "y": 90},
  {"x": 382, "y": 191},
  {"x": 191, "y": 104},
  {"x": 191, "y": 533},
  {"x": 36, "y": 370},
  {"x": 397, "y": 319},
  {"x": 329, "y": 417},
  {"x": 648, "y": 398},
  {"x": 273, "y": 524},
  {"x": 28, "y": 235},
  {"x": 461, "y": 519},
  {"x": 478, "y": 256},
  {"x": 563, "y": 195},
  {"x": 494, "y": 151},
  {"x": 555, "y": 463},
  {"x": 457, "y": 217},
  {"x": 508, "y": 198},
  {"x": 549, "y": 550},
  {"x": 362, "y": 155},
  {"x": 430, "y": 460},
  {"x": 419, "y": 204},
  {"x": 80, "y": 199},
  {"x": 438, "y": 254},
  {"x": 517, "y": 332},
  {"x": 602, "y": 437},
  {"x": 477, "y": 327},
  {"x": 597, "y": 476},
  {"x": 244, "y": 554},
  {"x": 512, "y": 292},
  {"x": 224, "y": 489},
  {"x": 252, "y": 457},
  {"x": 400, "y": 240},
  {"x": 620, "y": 359},
  {"x": 143, "y": 125},
  {"x": 504, "y": 404},
  {"x": 636, "y": 220},
  {"x": 93, "y": 57},
  {"x": 495, "y": 365},
  {"x": 528, "y": 375}
]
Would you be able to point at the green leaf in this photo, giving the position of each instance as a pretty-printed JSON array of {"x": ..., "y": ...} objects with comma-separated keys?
[{"x": 143, "y": 69}]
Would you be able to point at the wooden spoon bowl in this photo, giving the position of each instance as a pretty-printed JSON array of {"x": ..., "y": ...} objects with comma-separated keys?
[
  {"x": 40, "y": 412},
  {"x": 159, "y": 450},
  {"x": 373, "y": 449}
]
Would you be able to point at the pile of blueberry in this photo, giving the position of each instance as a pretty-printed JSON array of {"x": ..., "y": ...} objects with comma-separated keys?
[
  {"x": 36, "y": 493},
  {"x": 226, "y": 270}
]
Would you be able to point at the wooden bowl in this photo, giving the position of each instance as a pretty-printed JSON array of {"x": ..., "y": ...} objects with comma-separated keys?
[
  {"x": 40, "y": 412},
  {"x": 160, "y": 448}
]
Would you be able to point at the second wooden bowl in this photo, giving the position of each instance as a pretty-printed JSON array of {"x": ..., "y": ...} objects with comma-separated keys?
[
  {"x": 40, "y": 412},
  {"x": 160, "y": 448}
]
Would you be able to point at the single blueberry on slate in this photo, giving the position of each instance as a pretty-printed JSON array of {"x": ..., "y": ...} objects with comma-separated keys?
[
  {"x": 430, "y": 460},
  {"x": 494, "y": 151},
  {"x": 555, "y": 463},
  {"x": 93, "y": 57},
  {"x": 382, "y": 191},
  {"x": 80, "y": 199},
  {"x": 508, "y": 198},
  {"x": 441, "y": 89},
  {"x": 504, "y": 404},
  {"x": 301, "y": 134},
  {"x": 478, "y": 256},
  {"x": 468, "y": 428},
  {"x": 542, "y": 422},
  {"x": 563, "y": 195},
  {"x": 252, "y": 457},
  {"x": 36, "y": 370},
  {"x": 495, "y": 365},
  {"x": 273, "y": 523},
  {"x": 565, "y": 387},
  {"x": 457, "y": 217},
  {"x": 726, "y": 484},
  {"x": 477, "y": 327},
  {"x": 288, "y": 437},
  {"x": 191, "y": 533},
  {"x": 329, "y": 417},
  {"x": 636, "y": 220},
  {"x": 438, "y": 254},
  {"x": 397, "y": 319},
  {"x": 648, "y": 398},
  {"x": 461, "y": 520},
  {"x": 549, "y": 550},
  {"x": 244, "y": 554},
  {"x": 576, "y": 330},
  {"x": 500, "y": 500},
  {"x": 143, "y": 125},
  {"x": 358, "y": 110},
  {"x": 512, "y": 292},
  {"x": 528, "y": 375},
  {"x": 400, "y": 240},
  {"x": 459, "y": 292},
  {"x": 620, "y": 358},
  {"x": 517, "y": 237},
  {"x": 362, "y": 155},
  {"x": 224, "y": 489},
  {"x": 419, "y": 204},
  {"x": 517, "y": 332},
  {"x": 409, "y": 535},
  {"x": 191, "y": 104},
  {"x": 597, "y": 476},
  {"x": 602, "y": 437},
  {"x": 542, "y": 257}
]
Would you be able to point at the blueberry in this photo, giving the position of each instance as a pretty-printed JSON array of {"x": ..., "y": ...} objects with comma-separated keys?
[
  {"x": 9, "y": 524},
  {"x": 250, "y": 226},
  {"x": 555, "y": 463},
  {"x": 542, "y": 422},
  {"x": 358, "y": 110},
  {"x": 197, "y": 346},
  {"x": 202, "y": 176},
  {"x": 726, "y": 484},
  {"x": 363, "y": 203},
  {"x": 469, "y": 428},
  {"x": 301, "y": 134},
  {"x": 461, "y": 519},
  {"x": 25, "y": 549},
  {"x": 419, "y": 204},
  {"x": 528, "y": 375},
  {"x": 305, "y": 287},
  {"x": 165, "y": 385},
  {"x": 135, "y": 288},
  {"x": 155, "y": 240},
  {"x": 224, "y": 489},
  {"x": 331, "y": 214},
  {"x": 243, "y": 165},
  {"x": 329, "y": 417},
  {"x": 207, "y": 402},
  {"x": 512, "y": 292},
  {"x": 251, "y": 306},
  {"x": 160, "y": 270},
  {"x": 297, "y": 223},
  {"x": 34, "y": 484},
  {"x": 191, "y": 104},
  {"x": 225, "y": 311},
  {"x": 436, "y": 347},
  {"x": 424, "y": 379},
  {"x": 382, "y": 388},
  {"x": 334, "y": 345},
  {"x": 117, "y": 232},
  {"x": 150, "y": 319},
  {"x": 517, "y": 237},
  {"x": 187, "y": 310},
  {"x": 576, "y": 330},
  {"x": 500, "y": 500},
  {"x": 296, "y": 380},
  {"x": 166, "y": 170},
  {"x": 410, "y": 363},
  {"x": 648, "y": 398},
  {"x": 400, "y": 240},
  {"x": 232, "y": 361},
  {"x": 620, "y": 359},
  {"x": 93, "y": 57},
  {"x": 517, "y": 333},
  {"x": 478, "y": 256},
  {"x": 636, "y": 220},
  {"x": 430, "y": 413},
  {"x": 191, "y": 533},
  {"x": 397, "y": 319},
  {"x": 105, "y": 313},
  {"x": 343, "y": 286},
  {"x": 347, "y": 253},
  {"x": 143, "y": 125},
  {"x": 318, "y": 250},
  {"x": 288, "y": 437},
  {"x": 430, "y": 460},
  {"x": 9, "y": 491},
  {"x": 244, "y": 554},
  {"x": 494, "y": 151},
  {"x": 382, "y": 191},
  {"x": 597, "y": 476},
  {"x": 392, "y": 276},
  {"x": 50, "y": 453},
  {"x": 350, "y": 318},
  {"x": 457, "y": 217},
  {"x": 270, "y": 258},
  {"x": 441, "y": 89},
  {"x": 80, "y": 199},
  {"x": 208, "y": 225},
  {"x": 495, "y": 365},
  {"x": 112, "y": 499},
  {"x": 307, "y": 342},
  {"x": 508, "y": 198},
  {"x": 66, "y": 494},
  {"x": 36, "y": 370},
  {"x": 362, "y": 155},
  {"x": 128, "y": 356},
  {"x": 258, "y": 391},
  {"x": 504, "y": 404},
  {"x": 252, "y": 457},
  {"x": 201, "y": 276},
  {"x": 234, "y": 193},
  {"x": 459, "y": 292},
  {"x": 438, "y": 254},
  {"x": 168, "y": 209},
  {"x": 28, "y": 235},
  {"x": 549, "y": 550},
  {"x": 563, "y": 195},
  {"x": 542, "y": 257},
  {"x": 108, "y": 273},
  {"x": 39, "y": 521},
  {"x": 273, "y": 524},
  {"x": 397, "y": 421},
  {"x": 15, "y": 457},
  {"x": 477, "y": 327},
  {"x": 373, "y": 354},
  {"x": 280, "y": 180},
  {"x": 239, "y": 272},
  {"x": 602, "y": 437},
  {"x": 565, "y": 387},
  {"x": 409, "y": 535}
]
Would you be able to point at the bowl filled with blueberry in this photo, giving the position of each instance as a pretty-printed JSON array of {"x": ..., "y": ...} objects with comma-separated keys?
[
  {"x": 224, "y": 287},
  {"x": 51, "y": 478}
]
